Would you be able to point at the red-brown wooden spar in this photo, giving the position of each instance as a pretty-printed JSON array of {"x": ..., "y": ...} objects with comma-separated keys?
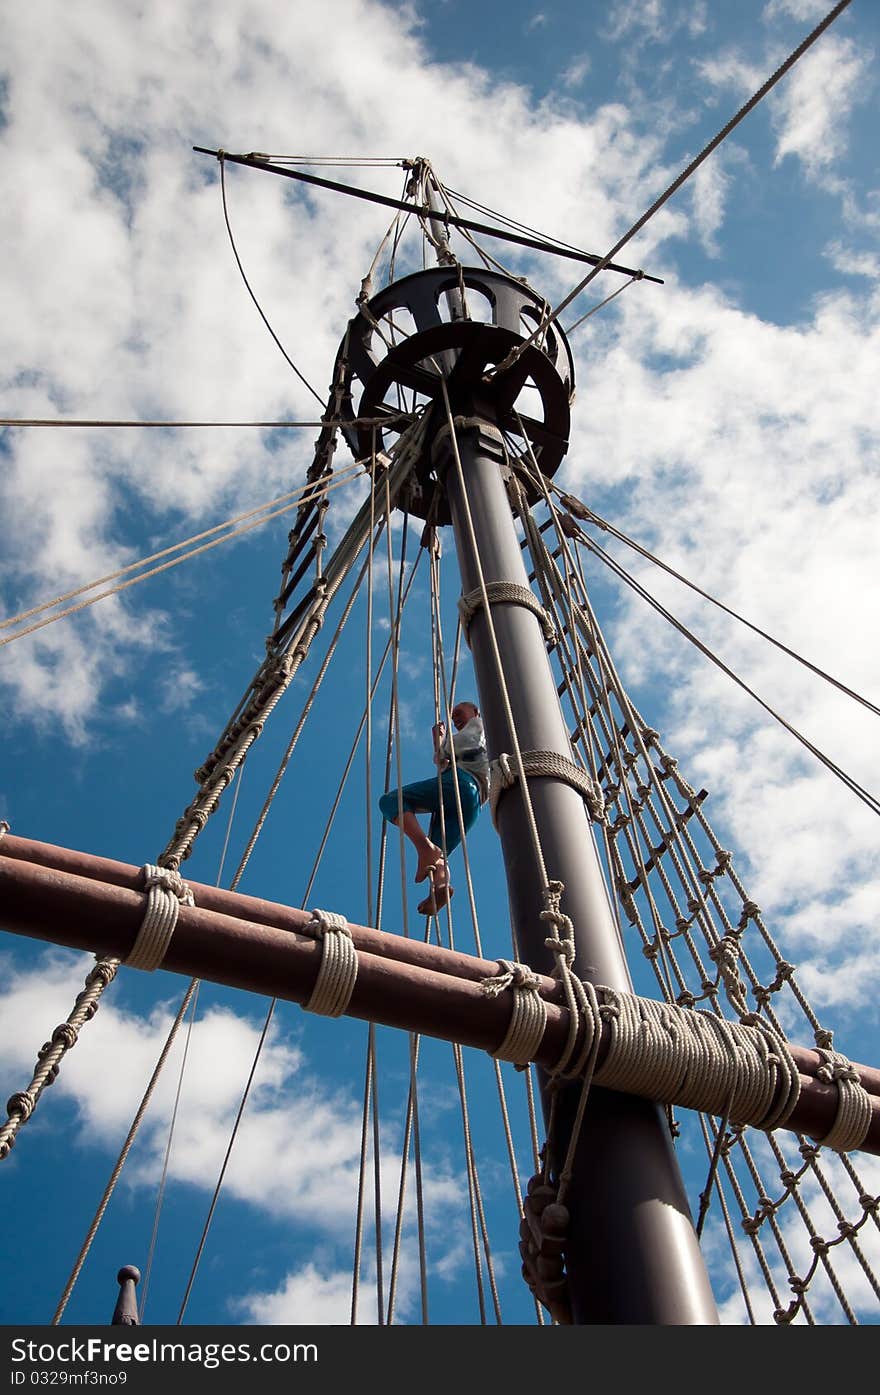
[{"x": 94, "y": 903}]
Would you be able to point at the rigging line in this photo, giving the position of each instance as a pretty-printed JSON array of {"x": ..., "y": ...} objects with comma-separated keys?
[
  {"x": 219, "y": 1184},
  {"x": 440, "y": 685},
  {"x": 635, "y": 828},
  {"x": 369, "y": 1070},
  {"x": 83, "y": 421},
  {"x": 148, "y": 1269},
  {"x": 601, "y": 305},
  {"x": 511, "y": 222},
  {"x": 126, "y": 1148},
  {"x": 496, "y": 653},
  {"x": 297, "y": 732},
  {"x": 154, "y": 1236},
  {"x": 393, "y": 230},
  {"x": 272, "y": 1005},
  {"x": 165, "y": 566},
  {"x": 688, "y": 873},
  {"x": 253, "y": 161},
  {"x": 294, "y": 496},
  {"x": 383, "y": 161},
  {"x": 728, "y": 1225},
  {"x": 371, "y": 1040},
  {"x": 676, "y": 184},
  {"x": 487, "y": 260},
  {"x": 857, "y": 789},
  {"x": 412, "y": 1136},
  {"x": 643, "y": 552},
  {"x": 301, "y": 377},
  {"x": 605, "y": 678}
]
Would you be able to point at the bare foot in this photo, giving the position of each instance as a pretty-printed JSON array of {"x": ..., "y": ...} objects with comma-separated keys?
[
  {"x": 430, "y": 862},
  {"x": 437, "y": 900}
]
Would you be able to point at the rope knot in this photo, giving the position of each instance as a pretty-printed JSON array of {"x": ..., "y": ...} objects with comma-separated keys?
[
  {"x": 21, "y": 1103},
  {"x": 65, "y": 1034},
  {"x": 169, "y": 881},
  {"x": 166, "y": 893},
  {"x": 338, "y": 970},
  {"x": 563, "y": 949},
  {"x": 528, "y": 1018},
  {"x": 323, "y": 922}
]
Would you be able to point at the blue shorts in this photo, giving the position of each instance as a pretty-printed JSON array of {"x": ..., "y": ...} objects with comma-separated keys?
[{"x": 423, "y": 797}]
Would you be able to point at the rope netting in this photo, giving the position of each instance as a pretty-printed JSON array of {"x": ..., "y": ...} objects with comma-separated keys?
[{"x": 801, "y": 1221}]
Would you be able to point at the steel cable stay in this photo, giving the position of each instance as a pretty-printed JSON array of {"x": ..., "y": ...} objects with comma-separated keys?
[
  {"x": 676, "y": 184},
  {"x": 317, "y": 396},
  {"x": 570, "y": 503},
  {"x": 864, "y": 795}
]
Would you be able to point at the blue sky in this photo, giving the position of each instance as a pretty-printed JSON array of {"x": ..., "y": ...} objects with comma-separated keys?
[{"x": 728, "y": 419}]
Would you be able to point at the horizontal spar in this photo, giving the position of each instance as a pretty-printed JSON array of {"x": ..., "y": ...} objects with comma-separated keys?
[{"x": 84, "y": 902}]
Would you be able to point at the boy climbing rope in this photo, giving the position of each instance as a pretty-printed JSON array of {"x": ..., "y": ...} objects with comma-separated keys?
[{"x": 471, "y": 766}]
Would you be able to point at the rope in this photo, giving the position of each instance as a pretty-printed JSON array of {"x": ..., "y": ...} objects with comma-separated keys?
[
  {"x": 337, "y": 975},
  {"x": 165, "y": 425},
  {"x": 156, "y": 571},
  {"x": 872, "y": 801},
  {"x": 580, "y": 510},
  {"x": 504, "y": 593},
  {"x": 528, "y": 1018},
  {"x": 166, "y": 892},
  {"x": 287, "y": 357},
  {"x": 853, "y": 1117},
  {"x": 549, "y": 764},
  {"x": 22, "y": 1104},
  {"x": 702, "y": 1062},
  {"x": 126, "y": 1147}
]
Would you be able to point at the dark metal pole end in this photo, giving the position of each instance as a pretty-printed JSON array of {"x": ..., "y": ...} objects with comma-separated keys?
[{"x": 125, "y": 1314}]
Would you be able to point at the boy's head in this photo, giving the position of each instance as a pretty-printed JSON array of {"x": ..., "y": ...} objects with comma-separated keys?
[{"x": 462, "y": 713}]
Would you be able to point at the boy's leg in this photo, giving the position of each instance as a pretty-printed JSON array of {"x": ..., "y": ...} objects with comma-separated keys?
[{"x": 418, "y": 798}]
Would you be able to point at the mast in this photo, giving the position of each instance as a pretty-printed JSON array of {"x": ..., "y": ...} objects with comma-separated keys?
[{"x": 632, "y": 1254}]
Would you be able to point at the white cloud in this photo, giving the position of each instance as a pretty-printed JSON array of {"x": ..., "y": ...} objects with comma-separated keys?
[
  {"x": 308, "y": 1297},
  {"x": 297, "y": 1153},
  {"x": 797, "y": 9},
  {"x": 577, "y": 70},
  {"x": 122, "y": 299},
  {"x": 814, "y": 102},
  {"x": 709, "y": 190}
]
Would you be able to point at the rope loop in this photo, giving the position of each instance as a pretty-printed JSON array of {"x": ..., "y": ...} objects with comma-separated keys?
[
  {"x": 21, "y": 1103},
  {"x": 726, "y": 955},
  {"x": 337, "y": 974},
  {"x": 551, "y": 765},
  {"x": 166, "y": 892},
  {"x": 854, "y": 1113},
  {"x": 505, "y": 593},
  {"x": 528, "y": 1017}
]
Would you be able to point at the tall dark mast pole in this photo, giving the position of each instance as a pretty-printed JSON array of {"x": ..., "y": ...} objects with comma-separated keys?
[{"x": 632, "y": 1255}]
